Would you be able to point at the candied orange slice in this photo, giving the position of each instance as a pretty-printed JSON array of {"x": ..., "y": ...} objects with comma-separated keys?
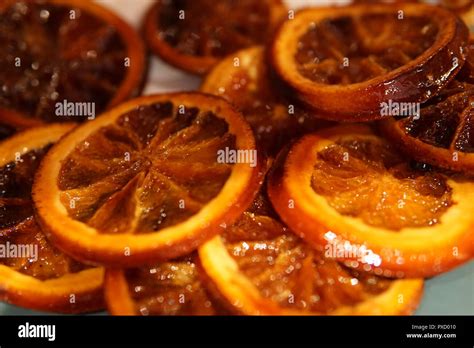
[
  {"x": 169, "y": 288},
  {"x": 261, "y": 267},
  {"x": 178, "y": 32},
  {"x": 149, "y": 180},
  {"x": 33, "y": 273},
  {"x": 442, "y": 133},
  {"x": 346, "y": 61},
  {"x": 347, "y": 186},
  {"x": 71, "y": 51},
  {"x": 243, "y": 79}
]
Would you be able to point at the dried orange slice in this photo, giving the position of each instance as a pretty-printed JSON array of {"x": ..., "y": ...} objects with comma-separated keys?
[
  {"x": 178, "y": 32},
  {"x": 33, "y": 273},
  {"x": 169, "y": 288},
  {"x": 441, "y": 134},
  {"x": 381, "y": 1},
  {"x": 149, "y": 180},
  {"x": 348, "y": 186},
  {"x": 261, "y": 267},
  {"x": 346, "y": 61},
  {"x": 58, "y": 52},
  {"x": 243, "y": 79}
]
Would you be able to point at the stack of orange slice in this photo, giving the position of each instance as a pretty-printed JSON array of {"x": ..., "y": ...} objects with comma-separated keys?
[{"x": 239, "y": 198}]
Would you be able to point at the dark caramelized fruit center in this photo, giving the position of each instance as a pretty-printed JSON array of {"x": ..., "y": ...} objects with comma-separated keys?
[
  {"x": 155, "y": 167},
  {"x": 21, "y": 239},
  {"x": 214, "y": 28},
  {"x": 287, "y": 271},
  {"x": 369, "y": 180},
  {"x": 170, "y": 288},
  {"x": 447, "y": 120},
  {"x": 5, "y": 131},
  {"x": 346, "y": 50},
  {"x": 52, "y": 53},
  {"x": 274, "y": 119}
]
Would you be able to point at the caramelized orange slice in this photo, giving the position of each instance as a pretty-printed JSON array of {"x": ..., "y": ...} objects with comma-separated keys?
[
  {"x": 243, "y": 79},
  {"x": 149, "y": 180},
  {"x": 346, "y": 61},
  {"x": 71, "y": 51},
  {"x": 261, "y": 267},
  {"x": 33, "y": 273},
  {"x": 169, "y": 288},
  {"x": 347, "y": 186},
  {"x": 194, "y": 35}
]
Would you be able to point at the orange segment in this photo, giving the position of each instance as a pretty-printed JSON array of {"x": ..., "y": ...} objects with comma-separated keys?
[
  {"x": 65, "y": 50},
  {"x": 346, "y": 61},
  {"x": 346, "y": 186},
  {"x": 244, "y": 79},
  {"x": 169, "y": 288},
  {"x": 34, "y": 273},
  {"x": 260, "y": 267},
  {"x": 149, "y": 181},
  {"x": 177, "y": 31}
]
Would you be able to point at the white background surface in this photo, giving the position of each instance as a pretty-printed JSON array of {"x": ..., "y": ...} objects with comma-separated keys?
[{"x": 451, "y": 293}]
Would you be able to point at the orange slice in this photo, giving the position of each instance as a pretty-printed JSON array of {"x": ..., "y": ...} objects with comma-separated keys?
[
  {"x": 57, "y": 52},
  {"x": 33, "y": 273},
  {"x": 178, "y": 32},
  {"x": 243, "y": 78},
  {"x": 347, "y": 187},
  {"x": 346, "y": 61},
  {"x": 261, "y": 267},
  {"x": 169, "y": 288},
  {"x": 149, "y": 180}
]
